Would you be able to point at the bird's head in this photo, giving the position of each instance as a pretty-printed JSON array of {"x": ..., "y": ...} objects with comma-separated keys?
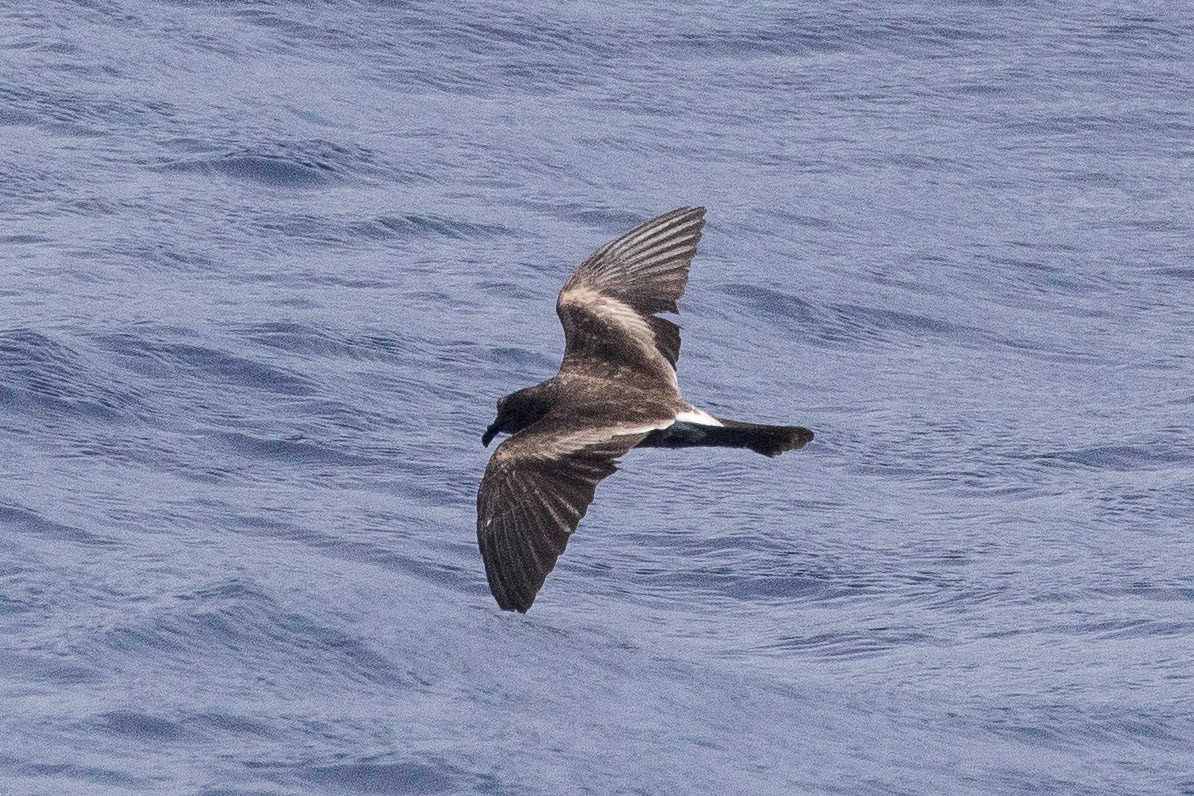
[{"x": 518, "y": 410}]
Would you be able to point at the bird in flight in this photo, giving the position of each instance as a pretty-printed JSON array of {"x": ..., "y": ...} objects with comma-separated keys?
[{"x": 616, "y": 390}]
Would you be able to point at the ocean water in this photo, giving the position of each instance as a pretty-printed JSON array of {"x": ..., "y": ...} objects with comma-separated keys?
[{"x": 265, "y": 266}]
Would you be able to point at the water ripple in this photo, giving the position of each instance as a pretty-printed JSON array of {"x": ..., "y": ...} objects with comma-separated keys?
[{"x": 39, "y": 374}]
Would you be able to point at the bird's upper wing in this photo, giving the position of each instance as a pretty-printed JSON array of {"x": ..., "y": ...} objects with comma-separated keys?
[
  {"x": 608, "y": 305},
  {"x": 536, "y": 488}
]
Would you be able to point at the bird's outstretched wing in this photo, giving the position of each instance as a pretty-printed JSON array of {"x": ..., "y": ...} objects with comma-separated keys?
[
  {"x": 608, "y": 305},
  {"x": 536, "y": 488}
]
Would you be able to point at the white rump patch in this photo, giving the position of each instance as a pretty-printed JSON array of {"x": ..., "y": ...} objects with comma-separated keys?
[{"x": 698, "y": 416}]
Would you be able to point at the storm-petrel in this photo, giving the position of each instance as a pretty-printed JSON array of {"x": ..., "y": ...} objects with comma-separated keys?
[{"x": 616, "y": 390}]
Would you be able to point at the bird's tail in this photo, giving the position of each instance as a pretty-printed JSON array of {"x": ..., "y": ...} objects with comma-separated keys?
[{"x": 760, "y": 438}]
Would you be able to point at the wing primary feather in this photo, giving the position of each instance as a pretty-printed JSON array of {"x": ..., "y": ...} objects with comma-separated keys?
[
  {"x": 641, "y": 273},
  {"x": 528, "y": 506}
]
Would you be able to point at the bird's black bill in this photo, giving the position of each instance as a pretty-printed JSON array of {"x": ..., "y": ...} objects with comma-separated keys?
[{"x": 489, "y": 434}]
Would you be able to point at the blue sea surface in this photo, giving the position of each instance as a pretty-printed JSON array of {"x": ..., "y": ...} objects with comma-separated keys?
[{"x": 265, "y": 266}]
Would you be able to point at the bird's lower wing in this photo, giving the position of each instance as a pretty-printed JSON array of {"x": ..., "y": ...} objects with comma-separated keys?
[{"x": 533, "y": 495}]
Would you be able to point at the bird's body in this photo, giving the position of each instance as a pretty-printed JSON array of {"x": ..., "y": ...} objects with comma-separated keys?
[{"x": 616, "y": 390}]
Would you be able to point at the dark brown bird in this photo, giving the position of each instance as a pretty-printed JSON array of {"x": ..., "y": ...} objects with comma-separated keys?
[{"x": 616, "y": 390}]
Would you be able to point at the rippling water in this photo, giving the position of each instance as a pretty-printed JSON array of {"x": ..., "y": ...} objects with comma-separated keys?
[{"x": 267, "y": 265}]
